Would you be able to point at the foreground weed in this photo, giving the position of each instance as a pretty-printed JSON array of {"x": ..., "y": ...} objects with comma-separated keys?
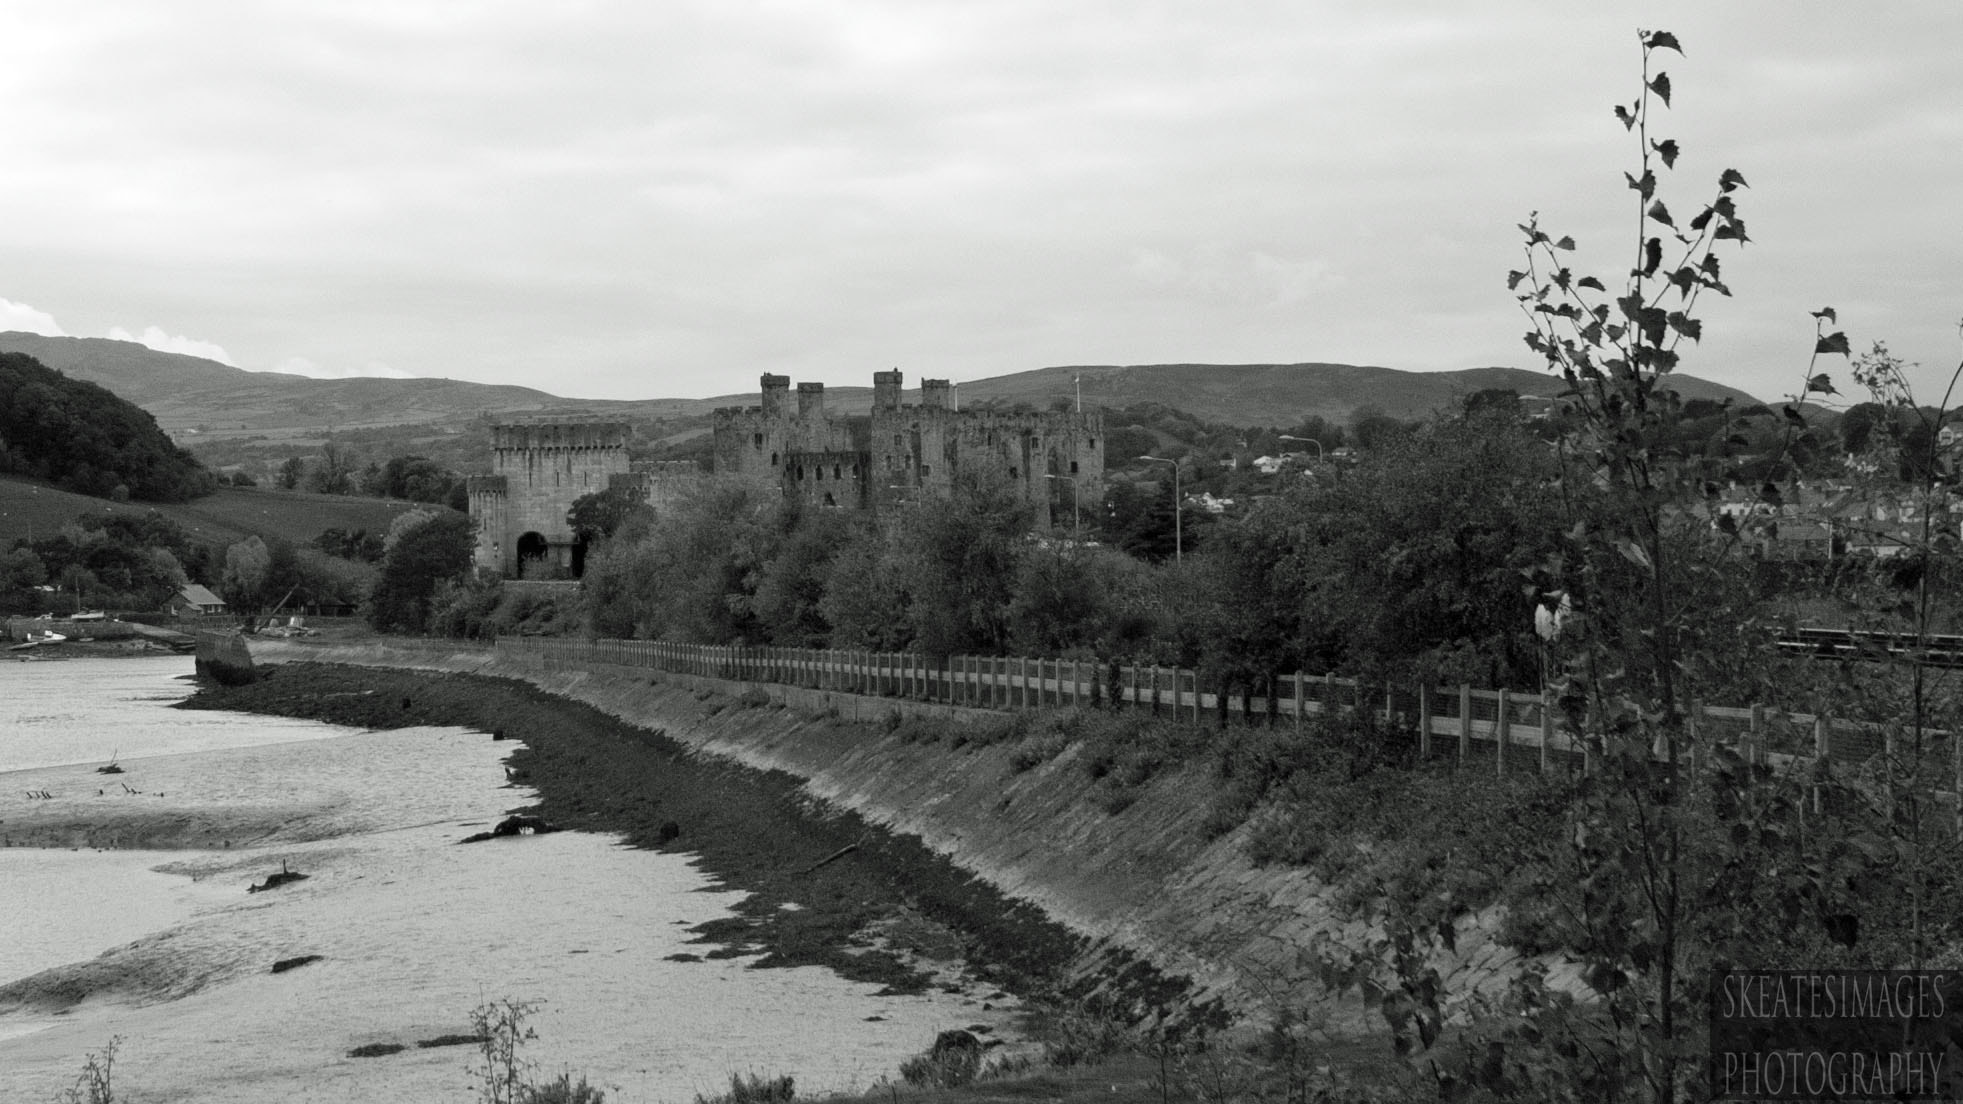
[{"x": 93, "y": 1084}]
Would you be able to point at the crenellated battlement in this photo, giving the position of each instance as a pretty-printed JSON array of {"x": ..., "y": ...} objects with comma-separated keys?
[{"x": 1054, "y": 460}]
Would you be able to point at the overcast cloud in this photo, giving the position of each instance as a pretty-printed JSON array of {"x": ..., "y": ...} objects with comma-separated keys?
[{"x": 631, "y": 200}]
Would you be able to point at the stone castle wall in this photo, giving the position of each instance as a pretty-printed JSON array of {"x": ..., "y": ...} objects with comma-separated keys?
[
  {"x": 538, "y": 468},
  {"x": 1054, "y": 461}
]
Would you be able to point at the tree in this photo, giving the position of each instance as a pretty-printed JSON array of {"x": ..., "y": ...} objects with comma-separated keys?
[
  {"x": 334, "y": 473},
  {"x": 598, "y": 516},
  {"x": 243, "y": 583},
  {"x": 957, "y": 557},
  {"x": 420, "y": 559},
  {"x": 1653, "y": 626},
  {"x": 290, "y": 474}
]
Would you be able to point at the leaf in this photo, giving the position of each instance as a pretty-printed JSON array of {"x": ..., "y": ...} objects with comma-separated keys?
[
  {"x": 1662, "y": 40},
  {"x": 1734, "y": 229},
  {"x": 1835, "y": 342},
  {"x": 1646, "y": 186},
  {"x": 1666, "y": 149},
  {"x": 1661, "y": 214},
  {"x": 1828, "y": 314},
  {"x": 1513, "y": 279},
  {"x": 1634, "y": 553},
  {"x": 1652, "y": 256},
  {"x": 1822, "y": 384},
  {"x": 1564, "y": 243},
  {"x": 1661, "y": 86},
  {"x": 1730, "y": 180},
  {"x": 1628, "y": 120},
  {"x": 1692, "y": 328},
  {"x": 1793, "y": 415},
  {"x": 1591, "y": 283},
  {"x": 1702, "y": 220}
]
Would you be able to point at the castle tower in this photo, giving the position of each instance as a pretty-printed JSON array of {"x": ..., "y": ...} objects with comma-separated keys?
[
  {"x": 539, "y": 468},
  {"x": 886, "y": 390}
]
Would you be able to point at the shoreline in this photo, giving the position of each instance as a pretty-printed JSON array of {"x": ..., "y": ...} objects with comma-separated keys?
[
  {"x": 824, "y": 887},
  {"x": 630, "y": 949}
]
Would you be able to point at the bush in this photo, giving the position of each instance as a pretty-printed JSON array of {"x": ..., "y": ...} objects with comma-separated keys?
[
  {"x": 752, "y": 1089},
  {"x": 563, "y": 1091}
]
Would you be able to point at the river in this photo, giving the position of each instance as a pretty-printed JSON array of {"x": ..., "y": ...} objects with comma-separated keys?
[{"x": 174, "y": 955}]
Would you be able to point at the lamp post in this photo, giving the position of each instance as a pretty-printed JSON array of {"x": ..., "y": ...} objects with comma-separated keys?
[
  {"x": 1306, "y": 441},
  {"x": 1178, "y": 537},
  {"x": 1076, "y": 514}
]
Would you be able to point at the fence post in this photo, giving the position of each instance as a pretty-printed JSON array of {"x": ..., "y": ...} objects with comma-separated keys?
[
  {"x": 1503, "y": 730},
  {"x": 1888, "y": 770},
  {"x": 1546, "y": 727},
  {"x": 1465, "y": 721},
  {"x": 1821, "y": 728},
  {"x": 1424, "y": 721},
  {"x": 1298, "y": 703},
  {"x": 1755, "y": 738}
]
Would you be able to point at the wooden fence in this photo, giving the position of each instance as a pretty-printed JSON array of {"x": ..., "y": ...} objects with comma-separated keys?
[{"x": 1509, "y": 731}]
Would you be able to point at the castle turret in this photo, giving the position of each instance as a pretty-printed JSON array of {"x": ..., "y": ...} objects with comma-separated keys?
[
  {"x": 776, "y": 392},
  {"x": 886, "y": 390},
  {"x": 811, "y": 401},
  {"x": 934, "y": 393}
]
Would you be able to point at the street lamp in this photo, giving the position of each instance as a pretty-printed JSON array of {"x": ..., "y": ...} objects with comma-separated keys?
[
  {"x": 1178, "y": 537},
  {"x": 1076, "y": 515},
  {"x": 1306, "y": 441}
]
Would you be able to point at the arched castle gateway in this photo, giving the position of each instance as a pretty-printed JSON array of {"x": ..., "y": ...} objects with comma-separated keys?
[
  {"x": 1053, "y": 462},
  {"x": 539, "y": 468}
]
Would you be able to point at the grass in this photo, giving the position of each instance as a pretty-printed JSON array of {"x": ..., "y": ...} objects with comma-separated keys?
[{"x": 230, "y": 514}]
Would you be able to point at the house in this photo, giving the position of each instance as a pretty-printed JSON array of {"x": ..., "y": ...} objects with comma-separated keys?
[{"x": 193, "y": 600}]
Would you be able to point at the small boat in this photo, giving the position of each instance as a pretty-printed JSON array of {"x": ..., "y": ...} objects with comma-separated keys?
[{"x": 35, "y": 640}]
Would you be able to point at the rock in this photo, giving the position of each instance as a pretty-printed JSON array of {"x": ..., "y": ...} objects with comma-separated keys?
[
  {"x": 274, "y": 881},
  {"x": 285, "y": 964},
  {"x": 667, "y": 832},
  {"x": 518, "y": 824},
  {"x": 950, "y": 1044}
]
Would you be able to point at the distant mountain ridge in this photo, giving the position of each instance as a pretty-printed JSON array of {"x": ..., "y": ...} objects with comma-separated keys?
[{"x": 186, "y": 392}]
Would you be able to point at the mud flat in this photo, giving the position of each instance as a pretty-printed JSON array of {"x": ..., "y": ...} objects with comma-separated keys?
[{"x": 640, "y": 959}]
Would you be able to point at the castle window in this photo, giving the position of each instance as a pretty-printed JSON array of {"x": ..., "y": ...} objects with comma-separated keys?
[
  {"x": 773, "y": 459},
  {"x": 855, "y": 469},
  {"x": 1093, "y": 442},
  {"x": 1073, "y": 467},
  {"x": 924, "y": 469},
  {"x": 1014, "y": 474},
  {"x": 828, "y": 499},
  {"x": 800, "y": 471},
  {"x": 820, "y": 472},
  {"x": 759, "y": 441},
  {"x": 834, "y": 471}
]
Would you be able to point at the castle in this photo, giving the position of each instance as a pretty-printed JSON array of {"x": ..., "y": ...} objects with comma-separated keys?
[
  {"x": 1052, "y": 462},
  {"x": 539, "y": 467}
]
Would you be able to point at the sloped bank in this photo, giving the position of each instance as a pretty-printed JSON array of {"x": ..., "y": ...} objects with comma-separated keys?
[{"x": 1140, "y": 885}]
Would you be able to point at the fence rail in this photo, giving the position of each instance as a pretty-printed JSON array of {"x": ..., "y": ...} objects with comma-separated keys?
[{"x": 1509, "y": 731}]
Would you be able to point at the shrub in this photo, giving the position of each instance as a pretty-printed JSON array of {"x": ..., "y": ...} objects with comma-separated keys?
[
  {"x": 950, "y": 1068},
  {"x": 563, "y": 1091},
  {"x": 93, "y": 1085},
  {"x": 752, "y": 1089}
]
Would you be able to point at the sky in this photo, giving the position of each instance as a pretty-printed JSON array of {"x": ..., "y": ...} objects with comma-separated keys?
[{"x": 647, "y": 200}]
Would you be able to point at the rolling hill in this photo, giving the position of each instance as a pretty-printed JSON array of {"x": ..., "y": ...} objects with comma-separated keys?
[{"x": 206, "y": 404}]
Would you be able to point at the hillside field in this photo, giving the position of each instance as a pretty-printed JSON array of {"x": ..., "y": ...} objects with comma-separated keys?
[{"x": 33, "y": 510}]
